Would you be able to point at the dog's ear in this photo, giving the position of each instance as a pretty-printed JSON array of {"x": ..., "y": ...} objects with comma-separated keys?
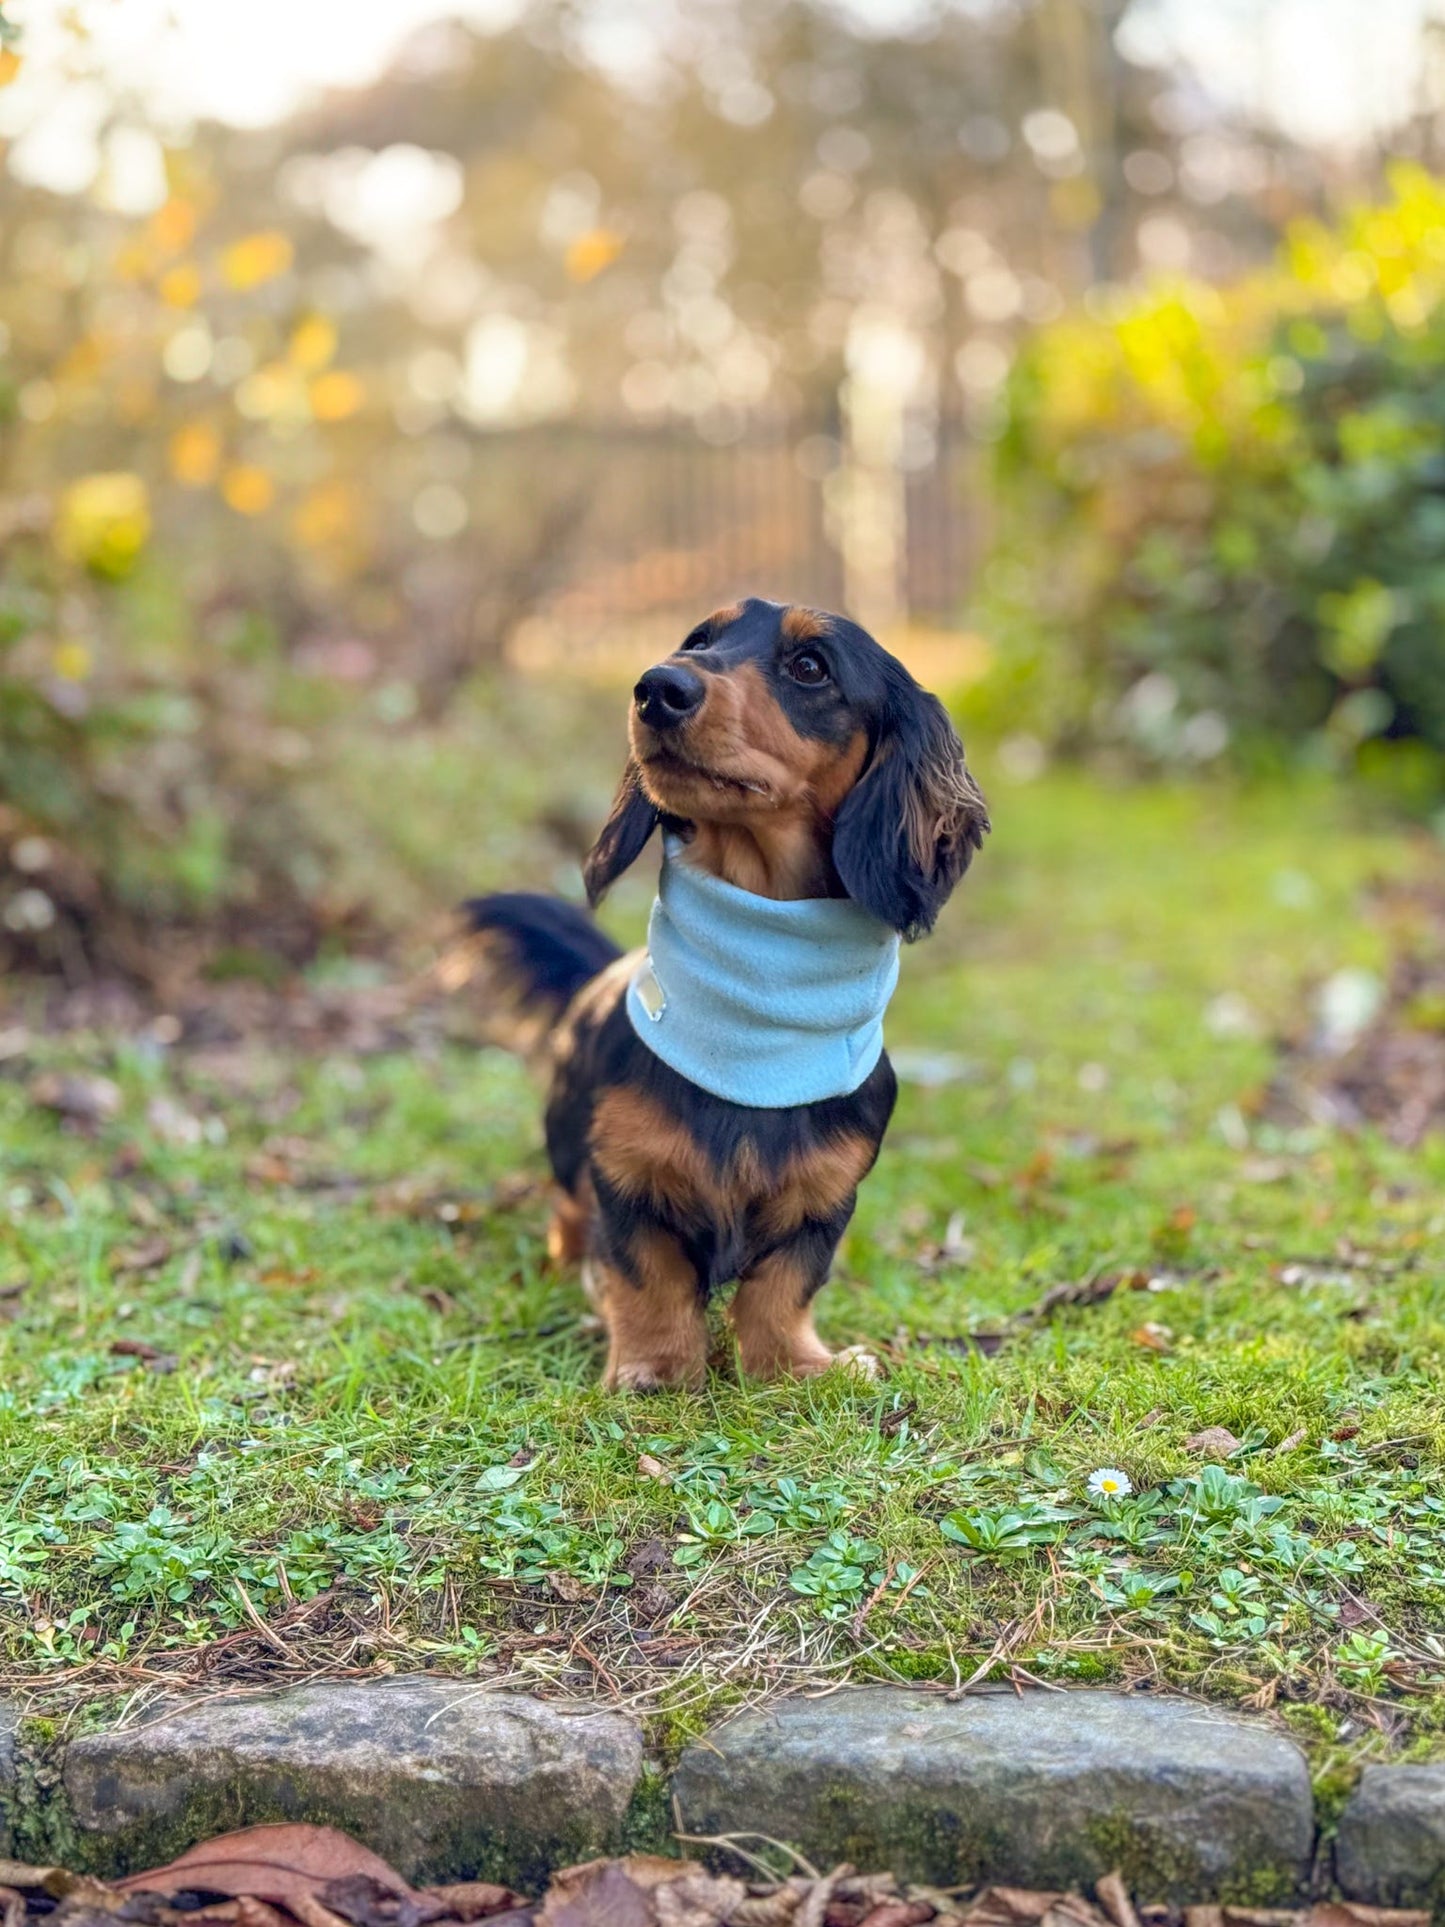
[
  {"x": 633, "y": 818},
  {"x": 908, "y": 829}
]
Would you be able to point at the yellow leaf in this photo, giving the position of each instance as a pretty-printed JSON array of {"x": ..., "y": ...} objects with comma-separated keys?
[
  {"x": 328, "y": 513},
  {"x": 195, "y": 454},
  {"x": 247, "y": 489},
  {"x": 180, "y": 287},
  {"x": 257, "y": 258},
  {"x": 104, "y": 521},
  {"x": 275, "y": 392},
  {"x": 337, "y": 395},
  {"x": 313, "y": 343},
  {"x": 173, "y": 225},
  {"x": 590, "y": 253},
  {"x": 72, "y": 661}
]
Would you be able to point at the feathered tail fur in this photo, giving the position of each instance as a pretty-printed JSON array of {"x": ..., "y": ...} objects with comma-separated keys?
[{"x": 522, "y": 958}]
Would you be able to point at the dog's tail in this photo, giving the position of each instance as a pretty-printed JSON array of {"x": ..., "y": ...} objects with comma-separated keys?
[{"x": 522, "y": 959}]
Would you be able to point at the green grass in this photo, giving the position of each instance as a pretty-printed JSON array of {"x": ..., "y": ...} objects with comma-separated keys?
[{"x": 384, "y": 1437}]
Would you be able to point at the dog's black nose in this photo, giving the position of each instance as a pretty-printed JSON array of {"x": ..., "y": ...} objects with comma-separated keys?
[{"x": 668, "y": 695}]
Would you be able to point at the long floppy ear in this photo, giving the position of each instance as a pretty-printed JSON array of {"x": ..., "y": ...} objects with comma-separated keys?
[
  {"x": 623, "y": 836},
  {"x": 908, "y": 829}
]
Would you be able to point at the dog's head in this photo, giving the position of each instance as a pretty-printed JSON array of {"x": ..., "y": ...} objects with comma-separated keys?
[{"x": 795, "y": 736}]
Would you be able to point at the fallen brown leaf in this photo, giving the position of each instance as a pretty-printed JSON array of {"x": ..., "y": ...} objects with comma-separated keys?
[
  {"x": 697, "y": 1899},
  {"x": 251, "y": 1912},
  {"x": 652, "y": 1468},
  {"x": 1153, "y": 1337},
  {"x": 312, "y": 1912},
  {"x": 600, "y": 1893},
  {"x": 898, "y": 1913},
  {"x": 1008, "y": 1907},
  {"x": 1214, "y": 1442},
  {"x": 149, "y": 1255},
  {"x": 1113, "y": 1896},
  {"x": 276, "y": 1863},
  {"x": 474, "y": 1899},
  {"x": 151, "y": 1356},
  {"x": 76, "y": 1095}
]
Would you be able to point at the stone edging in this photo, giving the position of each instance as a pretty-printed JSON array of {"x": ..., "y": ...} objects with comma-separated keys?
[{"x": 452, "y": 1781}]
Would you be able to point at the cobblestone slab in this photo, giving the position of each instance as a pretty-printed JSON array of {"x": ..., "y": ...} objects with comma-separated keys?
[
  {"x": 442, "y": 1779},
  {"x": 1050, "y": 1788},
  {"x": 1390, "y": 1848}
]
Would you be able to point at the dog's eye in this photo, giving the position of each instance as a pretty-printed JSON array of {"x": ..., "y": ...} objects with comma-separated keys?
[
  {"x": 807, "y": 668},
  {"x": 699, "y": 639}
]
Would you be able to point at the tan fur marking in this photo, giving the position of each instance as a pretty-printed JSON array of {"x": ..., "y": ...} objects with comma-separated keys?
[
  {"x": 770, "y": 830},
  {"x": 507, "y": 1014},
  {"x": 724, "y": 617},
  {"x": 774, "y": 1323},
  {"x": 645, "y": 1152},
  {"x": 656, "y": 1332},
  {"x": 803, "y": 625},
  {"x": 567, "y": 1232},
  {"x": 815, "y": 1183},
  {"x": 593, "y": 1001}
]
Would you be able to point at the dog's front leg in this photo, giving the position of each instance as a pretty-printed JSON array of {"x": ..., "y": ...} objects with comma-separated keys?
[
  {"x": 772, "y": 1311},
  {"x": 652, "y": 1305}
]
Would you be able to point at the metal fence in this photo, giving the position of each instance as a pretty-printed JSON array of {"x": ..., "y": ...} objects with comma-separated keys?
[{"x": 664, "y": 526}]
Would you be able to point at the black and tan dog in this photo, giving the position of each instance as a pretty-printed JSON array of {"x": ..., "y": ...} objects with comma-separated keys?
[{"x": 789, "y": 755}]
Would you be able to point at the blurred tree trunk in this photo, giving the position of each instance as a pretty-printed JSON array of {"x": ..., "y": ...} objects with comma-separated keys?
[{"x": 1079, "y": 65}]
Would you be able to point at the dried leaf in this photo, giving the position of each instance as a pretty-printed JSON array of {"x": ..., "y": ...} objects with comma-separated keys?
[
  {"x": 255, "y": 1913},
  {"x": 768, "y": 1910},
  {"x": 312, "y": 1913},
  {"x": 149, "y": 1255},
  {"x": 474, "y": 1899},
  {"x": 151, "y": 1356},
  {"x": 276, "y": 1863},
  {"x": 54, "y": 1881},
  {"x": 697, "y": 1899},
  {"x": 899, "y": 1913},
  {"x": 1214, "y": 1442},
  {"x": 365, "y": 1902},
  {"x": 600, "y": 1893},
  {"x": 652, "y": 1468},
  {"x": 1113, "y": 1896},
  {"x": 1010, "y": 1907},
  {"x": 1355, "y": 1913},
  {"x": 82, "y": 1098},
  {"x": 1153, "y": 1337}
]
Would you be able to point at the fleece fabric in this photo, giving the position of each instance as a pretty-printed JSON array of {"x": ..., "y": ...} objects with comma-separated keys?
[{"x": 767, "y": 1004}]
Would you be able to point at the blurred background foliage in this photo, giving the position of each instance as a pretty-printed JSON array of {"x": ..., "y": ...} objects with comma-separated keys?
[
  {"x": 349, "y": 445},
  {"x": 1241, "y": 490}
]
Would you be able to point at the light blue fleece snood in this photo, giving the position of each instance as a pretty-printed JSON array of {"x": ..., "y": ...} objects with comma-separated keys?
[{"x": 767, "y": 1004}]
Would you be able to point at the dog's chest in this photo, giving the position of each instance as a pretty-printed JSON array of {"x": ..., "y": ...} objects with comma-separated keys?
[{"x": 740, "y": 1188}]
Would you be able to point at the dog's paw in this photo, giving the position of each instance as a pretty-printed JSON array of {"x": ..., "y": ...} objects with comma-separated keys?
[
  {"x": 637, "y": 1375},
  {"x": 859, "y": 1362}
]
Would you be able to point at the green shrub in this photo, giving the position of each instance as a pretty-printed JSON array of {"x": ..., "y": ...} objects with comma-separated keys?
[
  {"x": 147, "y": 778},
  {"x": 1223, "y": 510}
]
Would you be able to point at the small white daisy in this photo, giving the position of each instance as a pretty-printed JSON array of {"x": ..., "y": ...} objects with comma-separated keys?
[{"x": 1110, "y": 1483}]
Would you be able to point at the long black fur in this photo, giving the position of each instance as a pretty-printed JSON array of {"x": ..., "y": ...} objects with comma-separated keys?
[{"x": 552, "y": 948}]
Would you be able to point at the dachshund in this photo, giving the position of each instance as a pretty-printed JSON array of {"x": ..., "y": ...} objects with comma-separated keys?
[{"x": 797, "y": 772}]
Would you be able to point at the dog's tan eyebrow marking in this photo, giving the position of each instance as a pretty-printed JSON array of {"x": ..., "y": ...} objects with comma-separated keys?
[
  {"x": 720, "y": 618},
  {"x": 803, "y": 625}
]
